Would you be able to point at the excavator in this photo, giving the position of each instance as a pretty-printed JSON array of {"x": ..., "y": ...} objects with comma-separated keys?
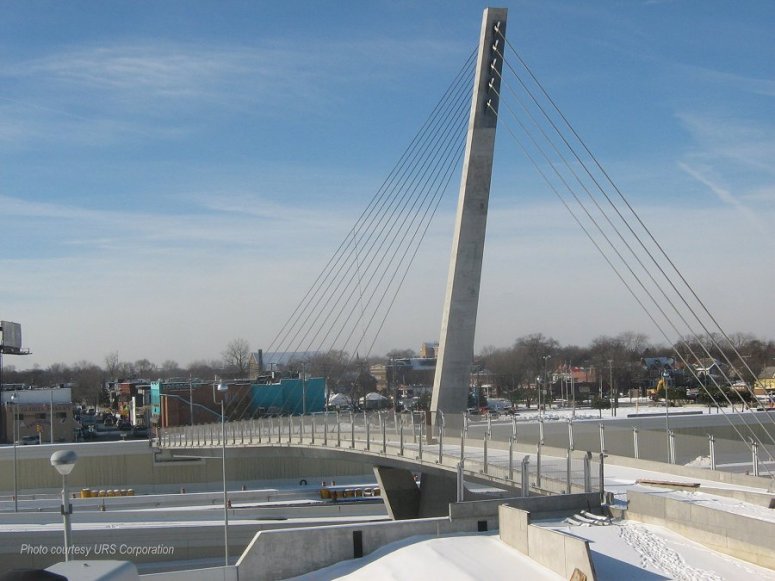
[{"x": 659, "y": 391}]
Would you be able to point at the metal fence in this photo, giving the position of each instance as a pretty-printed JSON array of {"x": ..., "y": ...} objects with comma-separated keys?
[{"x": 408, "y": 436}]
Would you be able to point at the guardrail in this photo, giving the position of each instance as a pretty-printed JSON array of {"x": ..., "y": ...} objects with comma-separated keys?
[{"x": 410, "y": 438}]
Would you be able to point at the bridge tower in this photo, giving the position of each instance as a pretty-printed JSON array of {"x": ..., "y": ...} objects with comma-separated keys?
[{"x": 458, "y": 325}]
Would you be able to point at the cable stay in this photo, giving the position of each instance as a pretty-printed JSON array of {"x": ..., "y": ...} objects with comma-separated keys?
[
  {"x": 608, "y": 237},
  {"x": 349, "y": 302}
]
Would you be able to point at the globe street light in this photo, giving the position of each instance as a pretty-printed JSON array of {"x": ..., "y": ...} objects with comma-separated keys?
[
  {"x": 223, "y": 388},
  {"x": 64, "y": 462},
  {"x": 13, "y": 434}
]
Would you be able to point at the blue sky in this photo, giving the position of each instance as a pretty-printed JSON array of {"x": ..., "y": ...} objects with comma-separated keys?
[{"x": 174, "y": 174}]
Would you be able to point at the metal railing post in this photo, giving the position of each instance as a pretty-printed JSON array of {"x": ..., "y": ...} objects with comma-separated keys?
[
  {"x": 511, "y": 458},
  {"x": 588, "y": 472},
  {"x": 755, "y": 457},
  {"x": 463, "y": 442},
  {"x": 368, "y": 433},
  {"x": 568, "y": 470},
  {"x": 485, "y": 454},
  {"x": 352, "y": 431},
  {"x": 525, "y": 476},
  {"x": 401, "y": 440},
  {"x": 441, "y": 442},
  {"x": 635, "y": 443},
  {"x": 571, "y": 442},
  {"x": 420, "y": 448},
  {"x": 671, "y": 440},
  {"x": 338, "y": 431},
  {"x": 538, "y": 466},
  {"x": 602, "y": 439},
  {"x": 712, "y": 446},
  {"x": 313, "y": 427},
  {"x": 460, "y": 482},
  {"x": 602, "y": 477},
  {"x": 383, "y": 420}
]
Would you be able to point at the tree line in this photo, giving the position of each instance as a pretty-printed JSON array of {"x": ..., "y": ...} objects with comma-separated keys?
[{"x": 614, "y": 358}]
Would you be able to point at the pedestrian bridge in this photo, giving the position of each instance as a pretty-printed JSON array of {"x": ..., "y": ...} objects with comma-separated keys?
[{"x": 453, "y": 466}]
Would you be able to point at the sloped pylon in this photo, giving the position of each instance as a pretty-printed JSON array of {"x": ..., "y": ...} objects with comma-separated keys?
[{"x": 458, "y": 325}]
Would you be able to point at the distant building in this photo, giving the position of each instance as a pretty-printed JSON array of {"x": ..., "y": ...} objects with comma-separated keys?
[
  {"x": 429, "y": 350},
  {"x": 184, "y": 402},
  {"x": 33, "y": 410}
]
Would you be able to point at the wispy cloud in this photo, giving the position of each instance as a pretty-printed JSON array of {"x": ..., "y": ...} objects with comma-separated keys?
[
  {"x": 736, "y": 81},
  {"x": 726, "y": 197},
  {"x": 729, "y": 139}
]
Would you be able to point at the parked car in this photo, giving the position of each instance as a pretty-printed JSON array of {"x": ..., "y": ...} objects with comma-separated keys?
[
  {"x": 29, "y": 440},
  {"x": 139, "y": 432}
]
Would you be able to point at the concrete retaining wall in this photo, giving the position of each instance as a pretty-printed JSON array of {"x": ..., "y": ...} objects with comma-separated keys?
[
  {"x": 291, "y": 552},
  {"x": 743, "y": 537},
  {"x": 555, "y": 550}
]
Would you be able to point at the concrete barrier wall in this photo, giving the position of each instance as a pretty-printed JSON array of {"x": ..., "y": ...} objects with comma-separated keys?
[
  {"x": 692, "y": 472},
  {"x": 80, "y": 516},
  {"x": 746, "y": 538},
  {"x": 134, "y": 465},
  {"x": 553, "y": 549},
  {"x": 292, "y": 552},
  {"x": 42, "y": 548},
  {"x": 536, "y": 504},
  {"x": 220, "y": 573}
]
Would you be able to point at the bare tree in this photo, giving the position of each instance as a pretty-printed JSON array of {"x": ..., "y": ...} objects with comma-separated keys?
[
  {"x": 144, "y": 368},
  {"x": 236, "y": 356},
  {"x": 112, "y": 364}
]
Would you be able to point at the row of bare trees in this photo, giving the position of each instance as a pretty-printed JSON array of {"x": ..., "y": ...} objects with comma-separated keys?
[{"x": 512, "y": 368}]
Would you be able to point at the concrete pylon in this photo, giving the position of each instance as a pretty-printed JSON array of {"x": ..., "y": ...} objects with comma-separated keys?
[{"x": 458, "y": 326}]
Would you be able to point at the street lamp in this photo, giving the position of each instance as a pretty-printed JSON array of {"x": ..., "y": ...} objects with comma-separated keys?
[
  {"x": 14, "y": 429},
  {"x": 611, "y": 397},
  {"x": 546, "y": 380},
  {"x": 223, "y": 388},
  {"x": 64, "y": 462}
]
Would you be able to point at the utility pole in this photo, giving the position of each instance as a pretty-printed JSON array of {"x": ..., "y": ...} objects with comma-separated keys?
[{"x": 611, "y": 386}]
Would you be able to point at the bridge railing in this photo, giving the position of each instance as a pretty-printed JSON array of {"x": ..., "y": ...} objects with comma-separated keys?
[{"x": 403, "y": 435}]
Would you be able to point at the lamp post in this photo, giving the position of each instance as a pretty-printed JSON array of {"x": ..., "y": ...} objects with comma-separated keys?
[
  {"x": 223, "y": 388},
  {"x": 14, "y": 429},
  {"x": 303, "y": 390},
  {"x": 611, "y": 396},
  {"x": 190, "y": 401},
  {"x": 546, "y": 379},
  {"x": 64, "y": 462}
]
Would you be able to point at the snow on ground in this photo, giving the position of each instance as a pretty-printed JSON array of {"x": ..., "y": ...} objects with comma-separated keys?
[
  {"x": 621, "y": 551},
  {"x": 637, "y": 551},
  {"x": 452, "y": 558}
]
